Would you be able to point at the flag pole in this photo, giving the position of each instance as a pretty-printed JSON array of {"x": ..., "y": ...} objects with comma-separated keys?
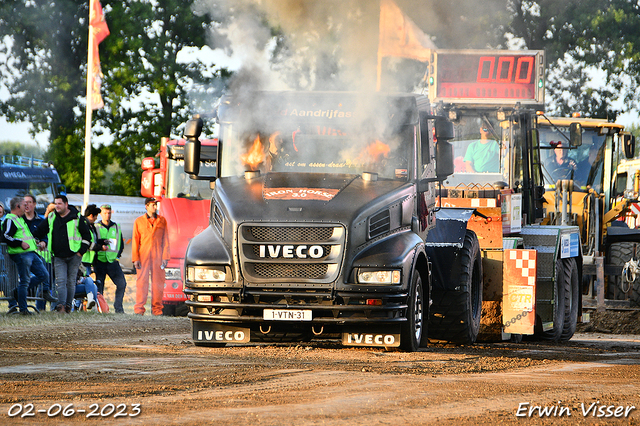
[{"x": 87, "y": 131}]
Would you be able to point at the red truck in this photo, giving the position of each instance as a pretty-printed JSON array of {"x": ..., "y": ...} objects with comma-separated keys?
[{"x": 184, "y": 202}]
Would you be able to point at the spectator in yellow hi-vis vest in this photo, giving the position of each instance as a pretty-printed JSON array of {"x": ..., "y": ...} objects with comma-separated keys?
[
  {"x": 150, "y": 254},
  {"x": 21, "y": 246},
  {"x": 106, "y": 262}
]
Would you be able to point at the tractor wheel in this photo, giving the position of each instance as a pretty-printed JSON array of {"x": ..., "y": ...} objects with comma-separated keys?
[
  {"x": 617, "y": 289},
  {"x": 571, "y": 301},
  {"x": 561, "y": 277},
  {"x": 455, "y": 317}
]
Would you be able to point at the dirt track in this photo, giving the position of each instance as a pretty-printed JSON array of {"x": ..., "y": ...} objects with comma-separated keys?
[{"x": 152, "y": 362}]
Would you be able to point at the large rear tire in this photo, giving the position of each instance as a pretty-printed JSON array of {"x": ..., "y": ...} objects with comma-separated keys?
[
  {"x": 414, "y": 331},
  {"x": 571, "y": 301},
  {"x": 456, "y": 315},
  {"x": 617, "y": 289},
  {"x": 560, "y": 284}
]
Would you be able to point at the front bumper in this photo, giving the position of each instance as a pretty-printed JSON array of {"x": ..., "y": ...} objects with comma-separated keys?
[{"x": 341, "y": 308}]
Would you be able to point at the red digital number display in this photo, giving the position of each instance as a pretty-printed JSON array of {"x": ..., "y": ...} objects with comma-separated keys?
[{"x": 478, "y": 76}]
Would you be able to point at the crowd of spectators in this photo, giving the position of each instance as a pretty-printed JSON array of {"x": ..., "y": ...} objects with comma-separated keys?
[{"x": 56, "y": 254}]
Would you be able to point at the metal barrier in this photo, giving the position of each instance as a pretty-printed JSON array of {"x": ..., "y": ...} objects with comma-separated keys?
[
  {"x": 9, "y": 280},
  {"x": 8, "y": 274}
]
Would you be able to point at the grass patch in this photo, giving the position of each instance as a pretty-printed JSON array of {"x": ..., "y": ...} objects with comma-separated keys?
[
  {"x": 10, "y": 322},
  {"x": 48, "y": 317}
]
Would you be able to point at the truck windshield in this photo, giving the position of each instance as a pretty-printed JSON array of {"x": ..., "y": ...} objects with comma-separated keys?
[
  {"x": 179, "y": 185},
  {"x": 319, "y": 148},
  {"x": 44, "y": 193},
  {"x": 480, "y": 154},
  {"x": 583, "y": 164}
]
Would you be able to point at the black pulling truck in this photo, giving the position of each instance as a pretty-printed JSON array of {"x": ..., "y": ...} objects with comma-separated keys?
[{"x": 321, "y": 206}]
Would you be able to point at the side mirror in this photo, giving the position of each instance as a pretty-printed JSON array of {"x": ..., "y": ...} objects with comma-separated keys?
[
  {"x": 444, "y": 129},
  {"x": 629, "y": 145},
  {"x": 151, "y": 183},
  {"x": 61, "y": 189},
  {"x": 424, "y": 137},
  {"x": 444, "y": 159},
  {"x": 192, "y": 157},
  {"x": 148, "y": 163},
  {"x": 575, "y": 134},
  {"x": 192, "y": 132}
]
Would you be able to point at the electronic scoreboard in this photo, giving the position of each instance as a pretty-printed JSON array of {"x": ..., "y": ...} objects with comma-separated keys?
[{"x": 486, "y": 76}]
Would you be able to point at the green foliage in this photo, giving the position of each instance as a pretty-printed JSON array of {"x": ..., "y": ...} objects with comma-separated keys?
[
  {"x": 634, "y": 129},
  {"x": 70, "y": 146},
  {"x": 581, "y": 35},
  {"x": 22, "y": 149},
  {"x": 45, "y": 73},
  {"x": 47, "y": 77},
  {"x": 140, "y": 58}
]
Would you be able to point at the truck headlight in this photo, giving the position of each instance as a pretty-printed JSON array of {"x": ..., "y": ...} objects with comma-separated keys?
[
  {"x": 370, "y": 276},
  {"x": 200, "y": 274},
  {"x": 172, "y": 274}
]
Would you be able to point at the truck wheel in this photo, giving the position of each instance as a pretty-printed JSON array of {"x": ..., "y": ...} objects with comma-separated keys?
[
  {"x": 619, "y": 254},
  {"x": 182, "y": 310},
  {"x": 456, "y": 316},
  {"x": 414, "y": 331},
  {"x": 560, "y": 284},
  {"x": 571, "y": 295},
  {"x": 169, "y": 310},
  {"x": 172, "y": 310}
]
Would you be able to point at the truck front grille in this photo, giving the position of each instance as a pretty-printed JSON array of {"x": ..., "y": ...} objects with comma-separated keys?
[
  {"x": 291, "y": 270},
  {"x": 290, "y": 255},
  {"x": 291, "y": 233}
]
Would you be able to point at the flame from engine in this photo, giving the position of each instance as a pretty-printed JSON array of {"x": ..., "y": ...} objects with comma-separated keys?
[
  {"x": 376, "y": 151},
  {"x": 274, "y": 143},
  {"x": 255, "y": 155}
]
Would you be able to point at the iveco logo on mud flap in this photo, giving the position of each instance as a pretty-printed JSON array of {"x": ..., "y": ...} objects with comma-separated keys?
[
  {"x": 290, "y": 251},
  {"x": 222, "y": 336},
  {"x": 365, "y": 339}
]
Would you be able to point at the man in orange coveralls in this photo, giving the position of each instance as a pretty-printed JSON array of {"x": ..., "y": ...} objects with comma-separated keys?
[{"x": 150, "y": 254}]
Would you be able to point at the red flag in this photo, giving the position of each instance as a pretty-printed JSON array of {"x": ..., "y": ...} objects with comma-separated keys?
[
  {"x": 100, "y": 30},
  {"x": 400, "y": 36}
]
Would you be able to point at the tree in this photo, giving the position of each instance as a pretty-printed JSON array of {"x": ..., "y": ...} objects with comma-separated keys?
[
  {"x": 583, "y": 40},
  {"x": 46, "y": 42},
  {"x": 140, "y": 59},
  {"x": 611, "y": 42},
  {"x": 22, "y": 149}
]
